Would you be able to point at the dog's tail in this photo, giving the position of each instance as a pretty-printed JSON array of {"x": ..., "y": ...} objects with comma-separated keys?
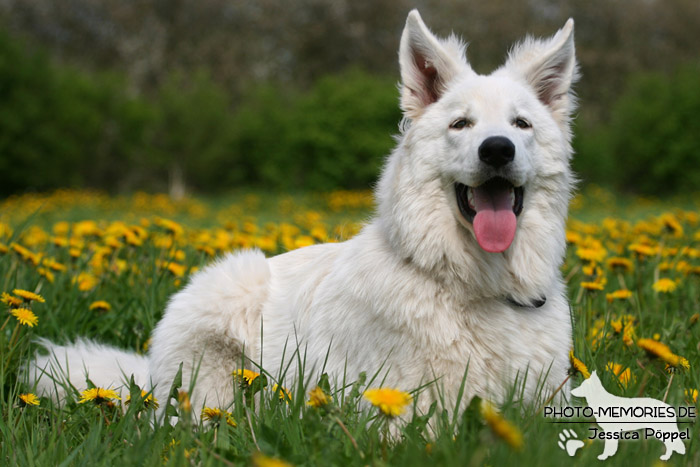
[{"x": 67, "y": 369}]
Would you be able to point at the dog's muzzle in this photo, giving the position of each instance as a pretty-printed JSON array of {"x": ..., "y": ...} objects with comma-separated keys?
[{"x": 491, "y": 208}]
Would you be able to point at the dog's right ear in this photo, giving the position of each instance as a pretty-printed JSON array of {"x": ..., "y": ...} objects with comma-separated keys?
[{"x": 427, "y": 65}]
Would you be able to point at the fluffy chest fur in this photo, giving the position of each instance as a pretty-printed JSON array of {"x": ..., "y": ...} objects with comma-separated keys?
[{"x": 358, "y": 306}]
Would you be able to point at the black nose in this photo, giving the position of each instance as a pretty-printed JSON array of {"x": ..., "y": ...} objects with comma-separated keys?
[{"x": 497, "y": 151}]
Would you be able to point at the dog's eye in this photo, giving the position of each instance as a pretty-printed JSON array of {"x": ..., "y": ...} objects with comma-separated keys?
[
  {"x": 521, "y": 123},
  {"x": 461, "y": 123}
]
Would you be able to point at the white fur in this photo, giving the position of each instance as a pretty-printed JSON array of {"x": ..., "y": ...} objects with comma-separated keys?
[
  {"x": 67, "y": 368},
  {"x": 412, "y": 294}
]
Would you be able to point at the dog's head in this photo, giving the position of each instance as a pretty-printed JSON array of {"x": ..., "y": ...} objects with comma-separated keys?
[{"x": 493, "y": 150}]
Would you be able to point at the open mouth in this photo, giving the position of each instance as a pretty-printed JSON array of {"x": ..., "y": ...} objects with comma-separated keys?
[{"x": 491, "y": 208}]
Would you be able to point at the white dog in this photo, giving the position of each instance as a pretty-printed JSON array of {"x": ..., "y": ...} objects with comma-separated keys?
[{"x": 458, "y": 269}]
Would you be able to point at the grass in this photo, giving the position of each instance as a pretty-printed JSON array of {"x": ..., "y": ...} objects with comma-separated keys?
[{"x": 134, "y": 252}]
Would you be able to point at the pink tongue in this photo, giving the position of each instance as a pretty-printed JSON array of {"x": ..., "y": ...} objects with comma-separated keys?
[{"x": 494, "y": 223}]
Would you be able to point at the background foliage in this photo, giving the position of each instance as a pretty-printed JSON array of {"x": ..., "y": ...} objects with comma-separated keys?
[{"x": 207, "y": 96}]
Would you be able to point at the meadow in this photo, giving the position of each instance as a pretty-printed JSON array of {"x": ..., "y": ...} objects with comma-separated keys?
[{"x": 80, "y": 263}]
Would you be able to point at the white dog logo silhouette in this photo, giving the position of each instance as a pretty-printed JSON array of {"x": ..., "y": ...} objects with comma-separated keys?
[{"x": 617, "y": 415}]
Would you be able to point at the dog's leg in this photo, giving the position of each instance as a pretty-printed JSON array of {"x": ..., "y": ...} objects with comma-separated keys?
[
  {"x": 207, "y": 327},
  {"x": 609, "y": 449}
]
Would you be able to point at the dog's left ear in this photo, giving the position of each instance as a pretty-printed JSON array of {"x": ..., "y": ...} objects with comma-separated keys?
[
  {"x": 428, "y": 64},
  {"x": 549, "y": 66}
]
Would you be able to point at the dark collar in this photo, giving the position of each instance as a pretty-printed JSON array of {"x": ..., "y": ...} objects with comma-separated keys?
[{"x": 535, "y": 303}]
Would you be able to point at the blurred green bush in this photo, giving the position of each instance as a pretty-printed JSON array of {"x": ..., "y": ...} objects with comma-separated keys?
[
  {"x": 651, "y": 144},
  {"x": 334, "y": 135},
  {"x": 60, "y": 127},
  {"x": 63, "y": 128}
]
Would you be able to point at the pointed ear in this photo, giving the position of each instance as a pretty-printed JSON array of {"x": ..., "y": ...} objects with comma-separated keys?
[
  {"x": 549, "y": 66},
  {"x": 428, "y": 64}
]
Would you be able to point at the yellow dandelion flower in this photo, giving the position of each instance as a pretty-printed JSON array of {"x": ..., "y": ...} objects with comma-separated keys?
[
  {"x": 4, "y": 248},
  {"x": 391, "y": 402},
  {"x": 60, "y": 242},
  {"x": 25, "y": 316},
  {"x": 179, "y": 255},
  {"x": 250, "y": 227},
  {"x": 45, "y": 272},
  {"x": 683, "y": 267},
  {"x": 211, "y": 413},
  {"x": 216, "y": 415},
  {"x": 642, "y": 250},
  {"x": 10, "y": 301},
  {"x": 266, "y": 243},
  {"x": 261, "y": 460},
  {"x": 28, "y": 296},
  {"x": 86, "y": 281},
  {"x": 113, "y": 242},
  {"x": 578, "y": 365},
  {"x": 28, "y": 399},
  {"x": 206, "y": 249},
  {"x": 623, "y": 374},
  {"x": 593, "y": 285},
  {"x": 500, "y": 426},
  {"x": 663, "y": 352},
  {"x": 282, "y": 392},
  {"x": 593, "y": 254},
  {"x": 302, "y": 241},
  {"x": 318, "y": 398},
  {"x": 616, "y": 325},
  {"x": 628, "y": 334},
  {"x": 683, "y": 363},
  {"x": 100, "y": 305},
  {"x": 98, "y": 396},
  {"x": 289, "y": 230},
  {"x": 320, "y": 233},
  {"x": 132, "y": 239},
  {"x": 665, "y": 285},
  {"x": 246, "y": 376},
  {"x": 620, "y": 264},
  {"x": 26, "y": 254},
  {"x": 573, "y": 237},
  {"x": 694, "y": 318},
  {"x": 171, "y": 227},
  {"x": 672, "y": 225},
  {"x": 622, "y": 294},
  {"x": 592, "y": 270},
  {"x": 596, "y": 332},
  {"x": 86, "y": 228},
  {"x": 691, "y": 395},
  {"x": 183, "y": 400},
  {"x": 177, "y": 270},
  {"x": 148, "y": 400}
]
